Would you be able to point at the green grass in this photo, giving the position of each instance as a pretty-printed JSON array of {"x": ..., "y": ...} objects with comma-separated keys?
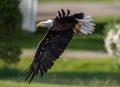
[
  {"x": 104, "y": 19},
  {"x": 79, "y": 42},
  {"x": 94, "y": 42},
  {"x": 67, "y": 72},
  {"x": 76, "y": 0}
]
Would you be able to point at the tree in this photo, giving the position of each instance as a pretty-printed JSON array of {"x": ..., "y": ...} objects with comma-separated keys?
[
  {"x": 112, "y": 40},
  {"x": 10, "y": 28}
]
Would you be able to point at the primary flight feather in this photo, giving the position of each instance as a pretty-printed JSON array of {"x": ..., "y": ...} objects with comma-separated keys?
[{"x": 59, "y": 34}]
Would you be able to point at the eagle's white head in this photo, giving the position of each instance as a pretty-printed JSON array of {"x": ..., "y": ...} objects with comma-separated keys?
[{"x": 48, "y": 23}]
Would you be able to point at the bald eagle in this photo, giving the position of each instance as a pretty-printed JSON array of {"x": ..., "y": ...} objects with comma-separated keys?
[{"x": 59, "y": 34}]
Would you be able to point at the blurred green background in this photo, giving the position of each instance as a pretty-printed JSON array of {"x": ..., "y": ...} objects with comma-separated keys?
[{"x": 67, "y": 72}]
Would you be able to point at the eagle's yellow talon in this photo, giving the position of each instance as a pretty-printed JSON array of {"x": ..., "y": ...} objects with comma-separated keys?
[
  {"x": 77, "y": 26},
  {"x": 76, "y": 29}
]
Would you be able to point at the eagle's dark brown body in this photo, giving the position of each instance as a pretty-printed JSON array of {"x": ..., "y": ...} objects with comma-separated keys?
[{"x": 54, "y": 43}]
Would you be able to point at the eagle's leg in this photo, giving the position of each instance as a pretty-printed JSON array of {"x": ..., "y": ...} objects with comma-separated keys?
[{"x": 76, "y": 30}]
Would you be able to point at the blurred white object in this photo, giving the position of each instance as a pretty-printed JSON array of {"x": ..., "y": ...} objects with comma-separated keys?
[
  {"x": 29, "y": 10},
  {"x": 112, "y": 41}
]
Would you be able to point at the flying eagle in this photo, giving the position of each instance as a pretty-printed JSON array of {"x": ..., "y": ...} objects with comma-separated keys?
[{"x": 60, "y": 32}]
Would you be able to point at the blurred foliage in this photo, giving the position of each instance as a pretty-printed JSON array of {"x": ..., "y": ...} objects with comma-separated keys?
[
  {"x": 10, "y": 28},
  {"x": 112, "y": 40},
  {"x": 111, "y": 25}
]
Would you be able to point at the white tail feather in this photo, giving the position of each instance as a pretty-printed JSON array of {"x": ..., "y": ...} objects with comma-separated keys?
[{"x": 86, "y": 25}]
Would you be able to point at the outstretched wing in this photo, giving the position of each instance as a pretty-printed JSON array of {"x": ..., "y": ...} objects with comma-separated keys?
[{"x": 50, "y": 48}]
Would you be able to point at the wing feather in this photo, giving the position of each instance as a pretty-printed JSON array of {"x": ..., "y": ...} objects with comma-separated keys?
[
  {"x": 63, "y": 13},
  {"x": 49, "y": 49},
  {"x": 68, "y": 12}
]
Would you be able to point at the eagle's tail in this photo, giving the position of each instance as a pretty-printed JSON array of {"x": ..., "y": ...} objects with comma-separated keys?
[{"x": 86, "y": 25}]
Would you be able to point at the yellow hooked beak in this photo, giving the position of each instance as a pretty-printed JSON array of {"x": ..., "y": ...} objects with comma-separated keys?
[{"x": 39, "y": 25}]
